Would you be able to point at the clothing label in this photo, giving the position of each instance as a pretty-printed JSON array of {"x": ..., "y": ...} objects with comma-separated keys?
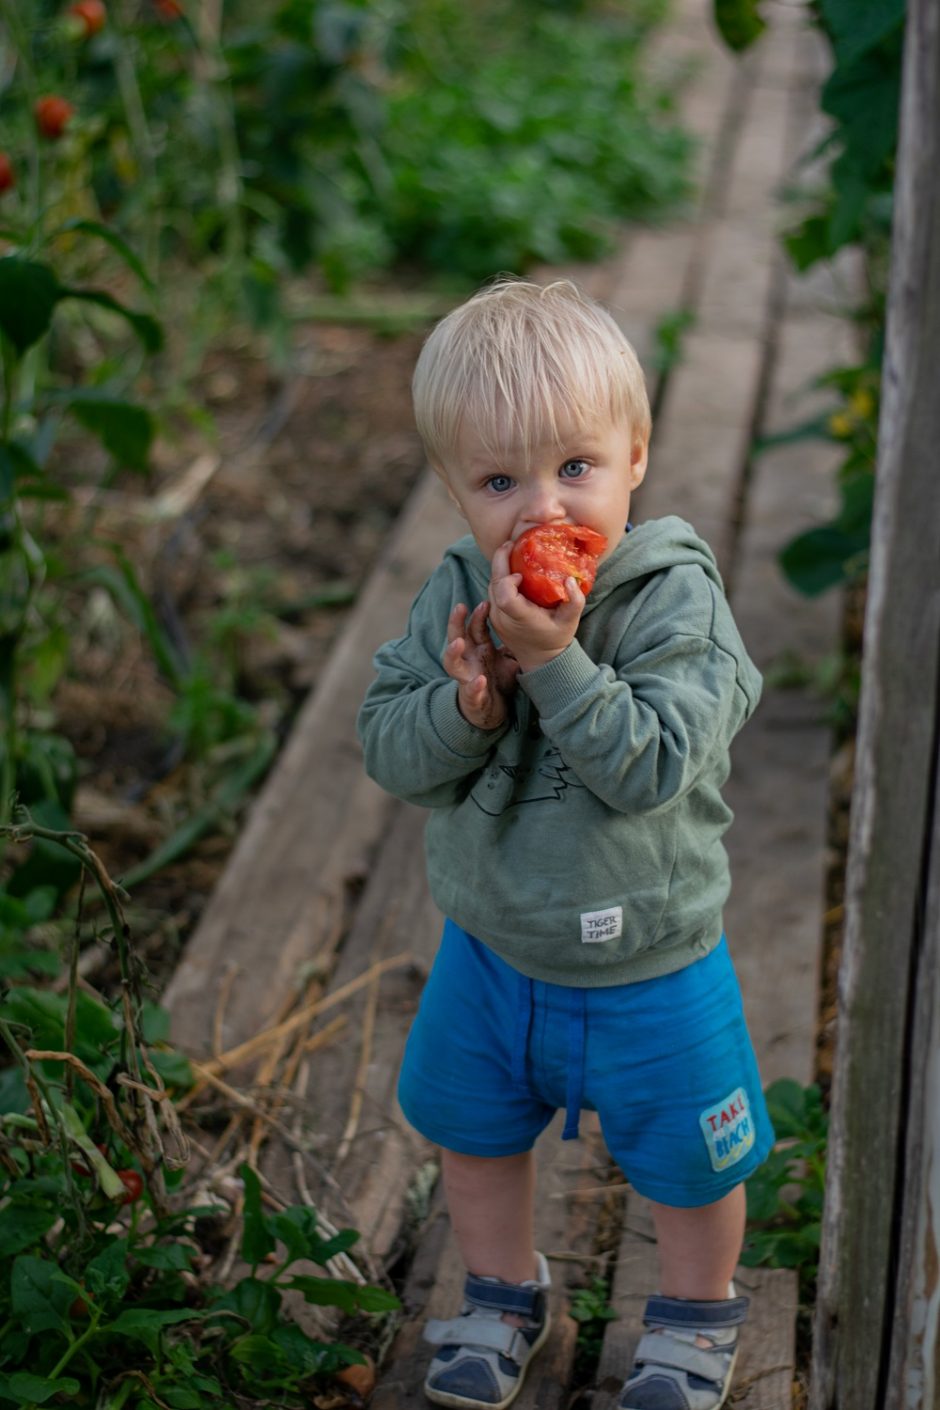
[
  {"x": 597, "y": 926},
  {"x": 728, "y": 1130}
]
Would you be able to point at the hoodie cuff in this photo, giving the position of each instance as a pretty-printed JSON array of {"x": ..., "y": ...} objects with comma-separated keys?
[
  {"x": 458, "y": 735},
  {"x": 560, "y": 681}
]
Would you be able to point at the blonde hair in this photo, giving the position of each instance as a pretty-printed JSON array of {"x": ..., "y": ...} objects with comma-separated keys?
[{"x": 521, "y": 364}]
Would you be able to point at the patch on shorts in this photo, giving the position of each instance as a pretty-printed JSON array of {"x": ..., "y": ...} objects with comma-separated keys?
[
  {"x": 728, "y": 1129},
  {"x": 597, "y": 926}
]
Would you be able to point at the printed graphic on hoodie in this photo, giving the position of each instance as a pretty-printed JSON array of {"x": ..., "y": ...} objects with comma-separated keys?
[{"x": 503, "y": 786}]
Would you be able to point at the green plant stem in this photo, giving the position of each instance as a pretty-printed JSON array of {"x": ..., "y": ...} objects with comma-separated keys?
[
  {"x": 76, "y": 1345},
  {"x": 141, "y": 136},
  {"x": 20, "y": 36}
]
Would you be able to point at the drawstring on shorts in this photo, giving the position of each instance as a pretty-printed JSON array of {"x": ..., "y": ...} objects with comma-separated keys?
[
  {"x": 577, "y": 1019},
  {"x": 577, "y": 1016}
]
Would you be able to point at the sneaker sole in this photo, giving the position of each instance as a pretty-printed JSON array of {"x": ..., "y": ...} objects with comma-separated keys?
[{"x": 461, "y": 1402}]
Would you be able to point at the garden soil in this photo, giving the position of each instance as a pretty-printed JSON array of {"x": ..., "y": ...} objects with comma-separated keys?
[{"x": 257, "y": 569}]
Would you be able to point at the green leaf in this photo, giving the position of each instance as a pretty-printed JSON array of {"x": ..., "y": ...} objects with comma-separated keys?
[
  {"x": 107, "y": 1275},
  {"x": 126, "y": 431},
  {"x": 325, "y": 1292},
  {"x": 145, "y": 1324},
  {"x": 168, "y": 1258},
  {"x": 29, "y": 293},
  {"x": 119, "y": 245},
  {"x": 256, "y": 1301},
  {"x": 123, "y": 584},
  {"x": 858, "y": 25},
  {"x": 739, "y": 22},
  {"x": 373, "y": 1299},
  {"x": 39, "y": 1389},
  {"x": 257, "y": 1238},
  {"x": 260, "y": 1355},
  {"x": 39, "y": 1300},
  {"x": 21, "y": 1227},
  {"x": 173, "y": 1066},
  {"x": 824, "y": 557},
  {"x": 148, "y": 330}
]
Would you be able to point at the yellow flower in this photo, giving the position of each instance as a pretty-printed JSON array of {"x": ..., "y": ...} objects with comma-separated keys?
[
  {"x": 840, "y": 425},
  {"x": 862, "y": 403}
]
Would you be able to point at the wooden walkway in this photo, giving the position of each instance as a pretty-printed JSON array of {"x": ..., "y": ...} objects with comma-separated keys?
[{"x": 327, "y": 882}]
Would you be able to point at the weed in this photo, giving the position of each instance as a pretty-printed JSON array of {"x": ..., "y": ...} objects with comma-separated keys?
[{"x": 785, "y": 1195}]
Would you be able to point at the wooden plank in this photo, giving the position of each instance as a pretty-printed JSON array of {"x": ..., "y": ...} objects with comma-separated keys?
[
  {"x": 376, "y": 1162},
  {"x": 310, "y": 832},
  {"x": 889, "y": 956}
]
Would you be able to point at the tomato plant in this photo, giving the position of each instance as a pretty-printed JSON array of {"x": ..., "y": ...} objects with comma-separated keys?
[{"x": 548, "y": 554}]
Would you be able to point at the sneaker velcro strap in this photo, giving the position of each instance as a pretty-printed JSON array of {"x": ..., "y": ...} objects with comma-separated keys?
[
  {"x": 692, "y": 1315},
  {"x": 505, "y": 1297},
  {"x": 483, "y": 1332},
  {"x": 660, "y": 1349}
]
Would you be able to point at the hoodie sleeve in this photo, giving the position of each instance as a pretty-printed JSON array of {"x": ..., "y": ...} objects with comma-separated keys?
[
  {"x": 416, "y": 743},
  {"x": 640, "y": 733}
]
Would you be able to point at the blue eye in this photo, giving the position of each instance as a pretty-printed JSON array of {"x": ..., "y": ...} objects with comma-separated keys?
[
  {"x": 499, "y": 483},
  {"x": 574, "y": 469}
]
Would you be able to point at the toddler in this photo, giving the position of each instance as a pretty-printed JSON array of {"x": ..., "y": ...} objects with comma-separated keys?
[{"x": 572, "y": 759}]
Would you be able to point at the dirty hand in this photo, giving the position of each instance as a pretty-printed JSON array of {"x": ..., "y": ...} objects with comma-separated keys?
[
  {"x": 485, "y": 674},
  {"x": 533, "y": 634}
]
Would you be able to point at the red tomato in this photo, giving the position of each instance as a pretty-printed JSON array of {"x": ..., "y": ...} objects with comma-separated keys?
[
  {"x": 7, "y": 174},
  {"x": 91, "y": 13},
  {"x": 168, "y": 10},
  {"x": 549, "y": 553},
  {"x": 133, "y": 1183},
  {"x": 52, "y": 115}
]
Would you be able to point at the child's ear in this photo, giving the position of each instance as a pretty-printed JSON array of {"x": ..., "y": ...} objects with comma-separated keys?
[{"x": 638, "y": 458}]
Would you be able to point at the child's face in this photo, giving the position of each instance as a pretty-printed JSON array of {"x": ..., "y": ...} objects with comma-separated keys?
[{"x": 588, "y": 479}]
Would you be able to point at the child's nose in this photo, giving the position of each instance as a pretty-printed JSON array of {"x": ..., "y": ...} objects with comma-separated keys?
[{"x": 544, "y": 504}]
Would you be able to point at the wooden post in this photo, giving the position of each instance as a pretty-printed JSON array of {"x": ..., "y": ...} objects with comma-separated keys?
[{"x": 876, "y": 1343}]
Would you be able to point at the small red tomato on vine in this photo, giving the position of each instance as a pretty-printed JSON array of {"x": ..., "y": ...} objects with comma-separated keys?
[
  {"x": 7, "y": 174},
  {"x": 168, "y": 9},
  {"x": 52, "y": 115},
  {"x": 91, "y": 14},
  {"x": 133, "y": 1184}
]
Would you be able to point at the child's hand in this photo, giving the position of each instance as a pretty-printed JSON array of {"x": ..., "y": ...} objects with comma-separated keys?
[
  {"x": 533, "y": 634},
  {"x": 485, "y": 675}
]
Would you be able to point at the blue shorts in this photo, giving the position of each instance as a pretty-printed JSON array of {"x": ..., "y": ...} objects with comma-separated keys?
[{"x": 667, "y": 1064}]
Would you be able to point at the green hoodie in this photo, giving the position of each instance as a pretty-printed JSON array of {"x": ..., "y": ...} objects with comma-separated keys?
[{"x": 582, "y": 839}]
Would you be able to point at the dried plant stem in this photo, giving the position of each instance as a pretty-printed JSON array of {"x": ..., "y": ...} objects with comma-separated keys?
[{"x": 248, "y": 1049}]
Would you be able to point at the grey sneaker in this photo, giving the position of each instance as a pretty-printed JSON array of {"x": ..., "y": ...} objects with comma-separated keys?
[
  {"x": 671, "y": 1371},
  {"x": 482, "y": 1360}
]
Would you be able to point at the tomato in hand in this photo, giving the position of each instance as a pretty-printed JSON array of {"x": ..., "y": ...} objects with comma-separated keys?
[{"x": 549, "y": 553}]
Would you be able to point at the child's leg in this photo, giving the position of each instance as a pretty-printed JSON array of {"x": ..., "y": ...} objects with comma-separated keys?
[
  {"x": 699, "y": 1248},
  {"x": 485, "y": 1351},
  {"x": 491, "y": 1203},
  {"x": 686, "y": 1358}
]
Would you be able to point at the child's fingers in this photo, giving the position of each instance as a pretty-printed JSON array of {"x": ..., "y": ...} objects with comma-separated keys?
[
  {"x": 476, "y": 625},
  {"x": 454, "y": 661},
  {"x": 572, "y": 609},
  {"x": 456, "y": 622}
]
